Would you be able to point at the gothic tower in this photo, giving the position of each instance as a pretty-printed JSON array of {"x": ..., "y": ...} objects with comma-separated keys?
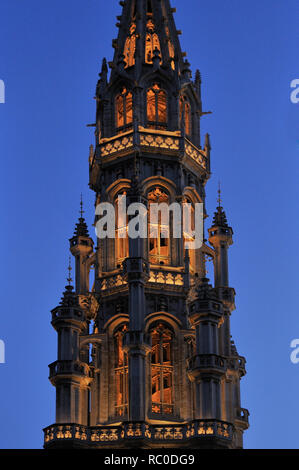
[{"x": 145, "y": 354}]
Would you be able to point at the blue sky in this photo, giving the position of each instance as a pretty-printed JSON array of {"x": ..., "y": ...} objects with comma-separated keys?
[{"x": 50, "y": 57}]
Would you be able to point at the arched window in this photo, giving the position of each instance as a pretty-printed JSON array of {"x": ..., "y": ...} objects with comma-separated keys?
[
  {"x": 121, "y": 373},
  {"x": 152, "y": 42},
  {"x": 130, "y": 47},
  {"x": 170, "y": 48},
  {"x": 159, "y": 241},
  {"x": 189, "y": 228},
  {"x": 162, "y": 370},
  {"x": 185, "y": 115},
  {"x": 156, "y": 107},
  {"x": 121, "y": 239},
  {"x": 124, "y": 108}
]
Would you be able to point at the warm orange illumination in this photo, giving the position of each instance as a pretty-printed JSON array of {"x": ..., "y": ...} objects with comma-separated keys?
[
  {"x": 170, "y": 48},
  {"x": 188, "y": 235},
  {"x": 121, "y": 373},
  {"x": 130, "y": 47},
  {"x": 121, "y": 239},
  {"x": 185, "y": 113},
  {"x": 158, "y": 233},
  {"x": 162, "y": 371},
  {"x": 124, "y": 108},
  {"x": 156, "y": 106},
  {"x": 152, "y": 42}
]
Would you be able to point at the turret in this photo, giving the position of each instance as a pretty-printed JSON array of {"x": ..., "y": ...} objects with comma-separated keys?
[
  {"x": 220, "y": 237},
  {"x": 69, "y": 374},
  {"x": 207, "y": 367},
  {"x": 81, "y": 247}
]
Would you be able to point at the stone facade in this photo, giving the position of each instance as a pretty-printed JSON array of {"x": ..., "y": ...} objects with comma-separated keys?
[{"x": 145, "y": 355}]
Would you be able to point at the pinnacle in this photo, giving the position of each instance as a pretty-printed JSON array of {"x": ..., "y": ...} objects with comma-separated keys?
[
  {"x": 81, "y": 229},
  {"x": 220, "y": 219}
]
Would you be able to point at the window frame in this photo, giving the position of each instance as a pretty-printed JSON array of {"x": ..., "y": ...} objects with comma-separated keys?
[
  {"x": 121, "y": 371},
  {"x": 158, "y": 91},
  {"x": 158, "y": 258},
  {"x": 164, "y": 370},
  {"x": 186, "y": 110},
  {"x": 123, "y": 95}
]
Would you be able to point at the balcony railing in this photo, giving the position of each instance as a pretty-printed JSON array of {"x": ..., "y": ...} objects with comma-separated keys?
[
  {"x": 115, "y": 435},
  {"x": 112, "y": 281},
  {"x": 148, "y": 139},
  {"x": 166, "y": 277}
]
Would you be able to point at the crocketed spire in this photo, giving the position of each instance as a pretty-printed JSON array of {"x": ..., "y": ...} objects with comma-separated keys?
[
  {"x": 147, "y": 34},
  {"x": 220, "y": 219},
  {"x": 81, "y": 229}
]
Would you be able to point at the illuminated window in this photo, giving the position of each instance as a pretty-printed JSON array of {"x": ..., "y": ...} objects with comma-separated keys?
[
  {"x": 152, "y": 42},
  {"x": 130, "y": 47},
  {"x": 185, "y": 114},
  {"x": 162, "y": 371},
  {"x": 170, "y": 48},
  {"x": 121, "y": 373},
  {"x": 189, "y": 228},
  {"x": 121, "y": 239},
  {"x": 124, "y": 108},
  {"x": 156, "y": 106},
  {"x": 158, "y": 232}
]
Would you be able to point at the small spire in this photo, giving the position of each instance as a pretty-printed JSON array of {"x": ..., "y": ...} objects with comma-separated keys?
[
  {"x": 81, "y": 229},
  {"x": 81, "y": 207},
  {"x": 69, "y": 278},
  {"x": 220, "y": 219},
  {"x": 219, "y": 200}
]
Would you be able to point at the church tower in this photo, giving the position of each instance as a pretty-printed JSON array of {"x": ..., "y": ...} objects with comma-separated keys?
[{"x": 145, "y": 353}]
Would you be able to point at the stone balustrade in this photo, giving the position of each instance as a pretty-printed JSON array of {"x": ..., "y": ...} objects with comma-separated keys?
[
  {"x": 112, "y": 281},
  {"x": 164, "y": 141},
  {"x": 159, "y": 434},
  {"x": 166, "y": 277}
]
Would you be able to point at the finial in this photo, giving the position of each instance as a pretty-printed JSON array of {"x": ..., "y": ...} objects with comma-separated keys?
[
  {"x": 81, "y": 207},
  {"x": 69, "y": 278},
  {"x": 219, "y": 200}
]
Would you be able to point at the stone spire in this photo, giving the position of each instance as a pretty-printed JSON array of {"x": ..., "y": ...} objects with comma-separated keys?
[
  {"x": 81, "y": 229},
  {"x": 147, "y": 31},
  {"x": 220, "y": 219},
  {"x": 81, "y": 247},
  {"x": 220, "y": 237}
]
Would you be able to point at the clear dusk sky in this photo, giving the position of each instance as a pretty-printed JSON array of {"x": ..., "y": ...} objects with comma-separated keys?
[{"x": 50, "y": 55}]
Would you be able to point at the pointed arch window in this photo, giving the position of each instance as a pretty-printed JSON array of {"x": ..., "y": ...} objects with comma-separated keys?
[
  {"x": 159, "y": 241},
  {"x": 156, "y": 107},
  {"x": 121, "y": 239},
  {"x": 189, "y": 226},
  {"x": 170, "y": 48},
  {"x": 130, "y": 47},
  {"x": 185, "y": 115},
  {"x": 121, "y": 373},
  {"x": 124, "y": 109},
  {"x": 152, "y": 42},
  {"x": 162, "y": 370}
]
